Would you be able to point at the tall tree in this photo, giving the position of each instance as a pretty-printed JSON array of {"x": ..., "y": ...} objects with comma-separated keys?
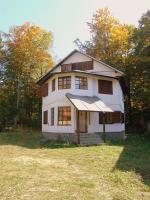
[
  {"x": 27, "y": 48},
  {"x": 141, "y": 71},
  {"x": 112, "y": 43},
  {"x": 110, "y": 40}
]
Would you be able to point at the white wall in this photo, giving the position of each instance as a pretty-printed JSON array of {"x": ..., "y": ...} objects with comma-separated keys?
[{"x": 57, "y": 98}]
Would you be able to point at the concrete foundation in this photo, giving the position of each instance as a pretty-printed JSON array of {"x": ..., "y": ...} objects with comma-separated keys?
[{"x": 72, "y": 137}]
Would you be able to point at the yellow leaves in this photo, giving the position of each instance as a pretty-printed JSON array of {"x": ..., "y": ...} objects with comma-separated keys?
[{"x": 28, "y": 46}]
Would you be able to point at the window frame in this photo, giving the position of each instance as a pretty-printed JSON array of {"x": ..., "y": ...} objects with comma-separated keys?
[
  {"x": 108, "y": 118},
  {"x": 62, "y": 119},
  {"x": 81, "y": 82},
  {"x": 52, "y": 116},
  {"x": 64, "y": 82},
  {"x": 103, "y": 84},
  {"x": 53, "y": 85},
  {"x": 111, "y": 117},
  {"x": 45, "y": 117}
]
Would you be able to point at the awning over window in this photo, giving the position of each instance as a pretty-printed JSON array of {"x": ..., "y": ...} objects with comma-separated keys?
[{"x": 88, "y": 103}]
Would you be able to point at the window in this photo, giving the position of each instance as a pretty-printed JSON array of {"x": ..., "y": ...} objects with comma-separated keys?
[
  {"x": 52, "y": 116},
  {"x": 45, "y": 117},
  {"x": 83, "y": 66},
  {"x": 64, "y": 116},
  {"x": 81, "y": 83},
  {"x": 64, "y": 82},
  {"x": 116, "y": 117},
  {"x": 53, "y": 85},
  {"x": 66, "y": 67},
  {"x": 110, "y": 118},
  {"x": 105, "y": 87}
]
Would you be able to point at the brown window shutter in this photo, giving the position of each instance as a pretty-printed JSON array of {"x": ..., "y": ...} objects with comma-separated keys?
[
  {"x": 45, "y": 90},
  {"x": 116, "y": 117},
  {"x": 83, "y": 66},
  {"x": 105, "y": 87},
  {"x": 66, "y": 67},
  {"x": 39, "y": 91},
  {"x": 45, "y": 117}
]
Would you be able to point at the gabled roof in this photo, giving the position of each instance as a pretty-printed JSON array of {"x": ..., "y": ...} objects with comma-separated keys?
[{"x": 47, "y": 75}]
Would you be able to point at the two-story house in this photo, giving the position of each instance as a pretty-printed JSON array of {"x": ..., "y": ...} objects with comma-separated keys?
[{"x": 82, "y": 101}]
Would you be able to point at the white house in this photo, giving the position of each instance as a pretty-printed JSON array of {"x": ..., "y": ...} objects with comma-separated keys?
[{"x": 82, "y": 101}]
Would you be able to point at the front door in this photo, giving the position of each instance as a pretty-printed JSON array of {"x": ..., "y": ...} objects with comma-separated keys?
[{"x": 82, "y": 122}]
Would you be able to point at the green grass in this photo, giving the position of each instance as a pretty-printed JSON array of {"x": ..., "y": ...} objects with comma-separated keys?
[{"x": 112, "y": 171}]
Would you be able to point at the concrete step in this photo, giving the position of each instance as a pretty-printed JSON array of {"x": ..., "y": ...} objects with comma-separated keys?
[{"x": 90, "y": 138}]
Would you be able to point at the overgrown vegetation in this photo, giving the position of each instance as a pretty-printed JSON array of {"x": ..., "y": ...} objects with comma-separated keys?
[{"x": 115, "y": 170}]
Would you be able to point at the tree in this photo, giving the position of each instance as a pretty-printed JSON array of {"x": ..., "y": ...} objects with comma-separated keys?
[
  {"x": 141, "y": 71},
  {"x": 28, "y": 58},
  {"x": 110, "y": 40},
  {"x": 112, "y": 43}
]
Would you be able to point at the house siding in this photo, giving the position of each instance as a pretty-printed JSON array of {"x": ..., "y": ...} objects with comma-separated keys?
[{"x": 58, "y": 98}]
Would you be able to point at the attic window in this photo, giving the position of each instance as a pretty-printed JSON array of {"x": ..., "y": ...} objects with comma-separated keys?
[
  {"x": 83, "y": 66},
  {"x": 66, "y": 67}
]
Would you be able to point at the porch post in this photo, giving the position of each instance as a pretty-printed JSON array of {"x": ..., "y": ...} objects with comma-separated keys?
[
  {"x": 77, "y": 126},
  {"x": 104, "y": 128}
]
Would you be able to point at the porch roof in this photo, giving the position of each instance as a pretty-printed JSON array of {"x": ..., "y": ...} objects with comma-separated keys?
[{"x": 88, "y": 103}]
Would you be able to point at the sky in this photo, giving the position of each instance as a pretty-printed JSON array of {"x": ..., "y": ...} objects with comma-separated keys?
[{"x": 67, "y": 19}]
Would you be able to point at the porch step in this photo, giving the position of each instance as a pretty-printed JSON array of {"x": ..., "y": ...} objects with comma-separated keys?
[{"x": 91, "y": 138}]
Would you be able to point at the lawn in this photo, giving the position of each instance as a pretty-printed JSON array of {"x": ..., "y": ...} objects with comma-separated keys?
[{"x": 111, "y": 171}]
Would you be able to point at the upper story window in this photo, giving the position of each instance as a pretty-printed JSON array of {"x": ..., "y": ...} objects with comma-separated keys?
[
  {"x": 66, "y": 67},
  {"x": 53, "y": 85},
  {"x": 64, "y": 82},
  {"x": 81, "y": 83},
  {"x": 105, "y": 87},
  {"x": 64, "y": 116},
  {"x": 83, "y": 66}
]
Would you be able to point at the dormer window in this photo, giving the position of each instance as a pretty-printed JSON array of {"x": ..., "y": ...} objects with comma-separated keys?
[
  {"x": 64, "y": 82},
  {"x": 81, "y": 83}
]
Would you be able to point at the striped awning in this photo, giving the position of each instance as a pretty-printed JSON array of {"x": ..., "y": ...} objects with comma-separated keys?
[{"x": 88, "y": 103}]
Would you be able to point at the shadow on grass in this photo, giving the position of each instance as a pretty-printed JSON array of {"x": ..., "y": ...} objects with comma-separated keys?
[
  {"x": 135, "y": 156},
  {"x": 31, "y": 140}
]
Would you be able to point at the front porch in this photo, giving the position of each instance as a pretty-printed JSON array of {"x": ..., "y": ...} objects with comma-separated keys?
[{"x": 85, "y": 105}]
